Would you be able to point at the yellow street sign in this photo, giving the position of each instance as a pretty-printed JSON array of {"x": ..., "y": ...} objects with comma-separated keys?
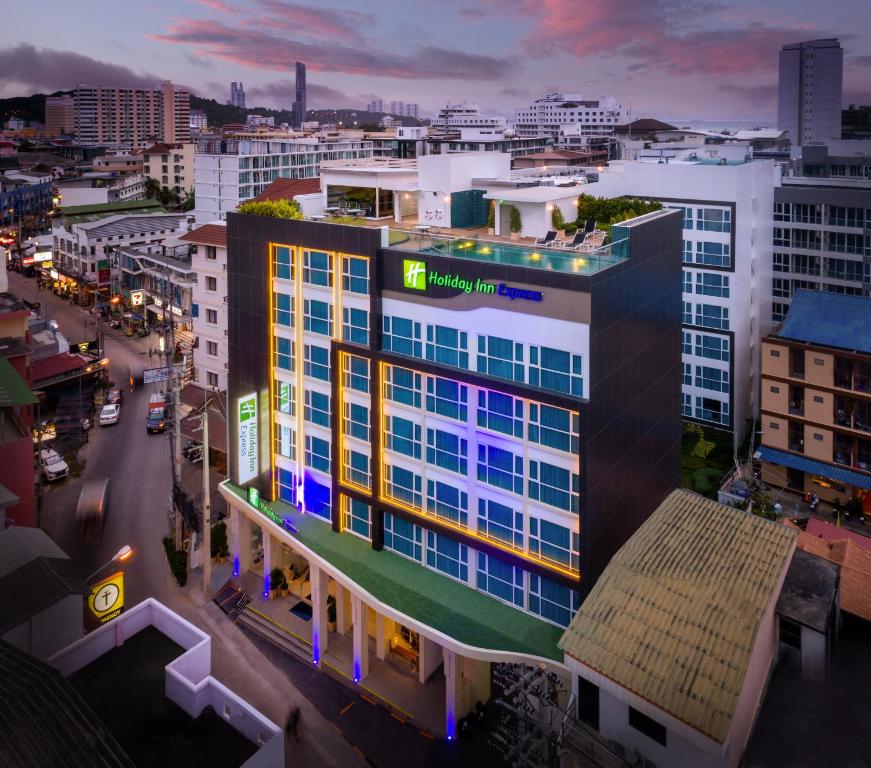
[{"x": 106, "y": 600}]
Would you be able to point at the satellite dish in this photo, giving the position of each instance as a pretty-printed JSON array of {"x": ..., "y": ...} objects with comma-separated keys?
[{"x": 509, "y": 133}]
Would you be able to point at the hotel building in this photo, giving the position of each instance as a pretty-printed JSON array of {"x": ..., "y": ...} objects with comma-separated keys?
[
  {"x": 816, "y": 399},
  {"x": 454, "y": 436}
]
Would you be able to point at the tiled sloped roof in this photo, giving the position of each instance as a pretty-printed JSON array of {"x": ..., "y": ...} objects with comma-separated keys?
[
  {"x": 674, "y": 616},
  {"x": 823, "y": 530},
  {"x": 35, "y": 586},
  {"x": 829, "y": 319},
  {"x": 208, "y": 234},
  {"x": 55, "y": 365},
  {"x": 288, "y": 189}
]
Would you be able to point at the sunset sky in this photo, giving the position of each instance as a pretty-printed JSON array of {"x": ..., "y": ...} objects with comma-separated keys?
[{"x": 672, "y": 59}]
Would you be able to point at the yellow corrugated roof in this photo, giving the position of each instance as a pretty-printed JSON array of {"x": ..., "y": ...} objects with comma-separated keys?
[{"x": 674, "y": 616}]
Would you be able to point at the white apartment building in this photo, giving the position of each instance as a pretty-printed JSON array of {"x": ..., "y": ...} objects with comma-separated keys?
[
  {"x": 810, "y": 90},
  {"x": 99, "y": 188},
  {"x": 570, "y": 119},
  {"x": 453, "y": 117},
  {"x": 725, "y": 198},
  {"x": 209, "y": 305},
  {"x": 229, "y": 171},
  {"x": 171, "y": 164}
]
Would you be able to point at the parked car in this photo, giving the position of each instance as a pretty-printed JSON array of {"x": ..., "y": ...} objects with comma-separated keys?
[
  {"x": 115, "y": 395},
  {"x": 53, "y": 467},
  {"x": 110, "y": 414},
  {"x": 157, "y": 420},
  {"x": 92, "y": 507}
]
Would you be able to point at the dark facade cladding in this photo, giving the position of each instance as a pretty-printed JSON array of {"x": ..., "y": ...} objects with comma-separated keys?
[{"x": 630, "y": 424}]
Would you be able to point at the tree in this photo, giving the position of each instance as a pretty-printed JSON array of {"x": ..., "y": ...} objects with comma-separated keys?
[
  {"x": 556, "y": 218},
  {"x": 278, "y": 209},
  {"x": 516, "y": 224},
  {"x": 189, "y": 202},
  {"x": 152, "y": 189},
  {"x": 491, "y": 215}
]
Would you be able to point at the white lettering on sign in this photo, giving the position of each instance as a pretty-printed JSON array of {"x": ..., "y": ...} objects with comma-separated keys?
[{"x": 248, "y": 452}]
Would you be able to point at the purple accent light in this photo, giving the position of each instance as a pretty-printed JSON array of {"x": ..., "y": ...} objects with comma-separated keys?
[
  {"x": 266, "y": 586},
  {"x": 316, "y": 651},
  {"x": 236, "y": 565}
]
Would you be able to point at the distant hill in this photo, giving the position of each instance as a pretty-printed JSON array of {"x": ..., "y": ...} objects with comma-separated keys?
[{"x": 26, "y": 107}]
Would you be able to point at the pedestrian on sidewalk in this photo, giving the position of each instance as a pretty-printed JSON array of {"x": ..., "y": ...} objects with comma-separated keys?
[{"x": 292, "y": 725}]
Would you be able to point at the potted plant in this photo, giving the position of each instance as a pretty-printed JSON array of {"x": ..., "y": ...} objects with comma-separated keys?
[
  {"x": 491, "y": 218},
  {"x": 331, "y": 613},
  {"x": 559, "y": 224},
  {"x": 516, "y": 223},
  {"x": 275, "y": 579}
]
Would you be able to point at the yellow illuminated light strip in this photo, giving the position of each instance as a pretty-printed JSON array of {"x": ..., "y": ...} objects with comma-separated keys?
[
  {"x": 271, "y": 407},
  {"x": 298, "y": 366}
]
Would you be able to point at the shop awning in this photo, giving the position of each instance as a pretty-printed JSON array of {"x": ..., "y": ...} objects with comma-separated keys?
[{"x": 840, "y": 474}]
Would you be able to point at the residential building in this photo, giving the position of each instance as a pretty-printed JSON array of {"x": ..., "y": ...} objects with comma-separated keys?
[
  {"x": 100, "y": 188},
  {"x": 666, "y": 659},
  {"x": 562, "y": 158},
  {"x": 816, "y": 399},
  {"x": 172, "y": 165},
  {"x": 572, "y": 121},
  {"x": 131, "y": 116},
  {"x": 84, "y": 251},
  {"x": 24, "y": 195},
  {"x": 255, "y": 120},
  {"x": 376, "y": 105},
  {"x": 148, "y": 660},
  {"x": 437, "y": 414},
  {"x": 232, "y": 170},
  {"x": 118, "y": 163},
  {"x": 199, "y": 121},
  {"x": 299, "y": 110},
  {"x": 404, "y": 109},
  {"x": 822, "y": 216},
  {"x": 60, "y": 115},
  {"x": 388, "y": 121},
  {"x": 209, "y": 262},
  {"x": 724, "y": 198},
  {"x": 158, "y": 285},
  {"x": 237, "y": 94},
  {"x": 810, "y": 90},
  {"x": 452, "y": 117},
  {"x": 484, "y": 140}
]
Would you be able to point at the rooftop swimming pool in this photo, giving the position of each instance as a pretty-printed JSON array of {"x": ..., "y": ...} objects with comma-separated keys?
[{"x": 555, "y": 259}]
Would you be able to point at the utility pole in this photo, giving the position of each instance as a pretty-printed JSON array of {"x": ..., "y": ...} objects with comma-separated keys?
[
  {"x": 207, "y": 504},
  {"x": 175, "y": 438}
]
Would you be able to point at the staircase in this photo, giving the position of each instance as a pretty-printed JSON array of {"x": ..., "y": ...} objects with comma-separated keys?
[{"x": 282, "y": 638}]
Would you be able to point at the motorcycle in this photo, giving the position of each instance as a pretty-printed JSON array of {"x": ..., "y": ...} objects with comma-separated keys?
[{"x": 142, "y": 331}]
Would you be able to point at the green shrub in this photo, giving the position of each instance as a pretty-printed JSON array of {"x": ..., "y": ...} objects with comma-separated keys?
[
  {"x": 277, "y": 209},
  {"x": 331, "y": 609},
  {"x": 491, "y": 215},
  {"x": 571, "y": 228},
  {"x": 178, "y": 561},
  {"x": 556, "y": 218},
  {"x": 607, "y": 211},
  {"x": 516, "y": 224},
  {"x": 220, "y": 546},
  {"x": 276, "y": 576}
]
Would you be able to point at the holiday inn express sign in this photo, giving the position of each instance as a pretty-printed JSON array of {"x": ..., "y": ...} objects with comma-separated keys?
[
  {"x": 248, "y": 453},
  {"x": 416, "y": 276}
]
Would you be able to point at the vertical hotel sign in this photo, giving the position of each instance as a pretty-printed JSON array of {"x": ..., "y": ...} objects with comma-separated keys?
[{"x": 247, "y": 413}]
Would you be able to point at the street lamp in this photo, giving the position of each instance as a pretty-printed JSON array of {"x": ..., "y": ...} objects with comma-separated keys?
[{"x": 121, "y": 556}]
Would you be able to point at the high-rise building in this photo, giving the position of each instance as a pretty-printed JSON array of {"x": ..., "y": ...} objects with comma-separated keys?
[
  {"x": 299, "y": 109},
  {"x": 199, "y": 121},
  {"x": 237, "y": 94},
  {"x": 60, "y": 115},
  {"x": 810, "y": 90},
  {"x": 454, "y": 445},
  {"x": 376, "y": 105},
  {"x": 131, "y": 116}
]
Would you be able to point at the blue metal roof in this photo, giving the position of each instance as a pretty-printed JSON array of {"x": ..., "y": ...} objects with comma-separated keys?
[
  {"x": 829, "y": 319},
  {"x": 830, "y": 471}
]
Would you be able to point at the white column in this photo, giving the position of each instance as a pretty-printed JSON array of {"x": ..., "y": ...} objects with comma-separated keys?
[
  {"x": 383, "y": 631},
  {"x": 429, "y": 658},
  {"x": 240, "y": 541},
  {"x": 360, "y": 617},
  {"x": 343, "y": 610},
  {"x": 453, "y": 664},
  {"x": 267, "y": 561},
  {"x": 320, "y": 632}
]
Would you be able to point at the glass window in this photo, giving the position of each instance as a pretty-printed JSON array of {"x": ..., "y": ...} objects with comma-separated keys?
[
  {"x": 402, "y": 386},
  {"x": 554, "y": 543},
  {"x": 356, "y": 466},
  {"x": 556, "y": 370},
  {"x": 356, "y": 421},
  {"x": 447, "y": 346},
  {"x": 282, "y": 263},
  {"x": 285, "y": 441},
  {"x": 284, "y": 353},
  {"x": 402, "y": 336},
  {"x": 286, "y": 485},
  {"x": 712, "y": 316},
  {"x": 283, "y": 309},
  {"x": 447, "y": 555},
  {"x": 709, "y": 409},
  {"x": 709, "y": 284},
  {"x": 355, "y": 274},
  {"x": 500, "y": 357},
  {"x": 317, "y": 268},
  {"x": 317, "y": 453},
  {"x": 713, "y": 220},
  {"x": 356, "y": 373},
  {"x": 317, "y": 408},
  {"x": 447, "y": 398},
  {"x": 686, "y": 347},
  {"x": 285, "y": 398},
  {"x": 403, "y": 485},
  {"x": 356, "y": 517},
  {"x": 687, "y": 317},
  {"x": 402, "y": 436},
  {"x": 355, "y": 325},
  {"x": 714, "y": 254},
  {"x": 552, "y": 601},
  {"x": 447, "y": 451},
  {"x": 500, "y": 468},
  {"x": 447, "y": 502},
  {"x": 500, "y": 522},
  {"x": 554, "y": 427},
  {"x": 402, "y": 536},
  {"x": 317, "y": 362},
  {"x": 500, "y": 412},
  {"x": 712, "y": 378},
  {"x": 500, "y": 580},
  {"x": 556, "y": 486},
  {"x": 780, "y": 262},
  {"x": 712, "y": 347},
  {"x": 687, "y": 281},
  {"x": 318, "y": 317},
  {"x": 686, "y": 404}
]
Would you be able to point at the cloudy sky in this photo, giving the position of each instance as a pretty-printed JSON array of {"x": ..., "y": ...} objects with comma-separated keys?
[{"x": 672, "y": 59}]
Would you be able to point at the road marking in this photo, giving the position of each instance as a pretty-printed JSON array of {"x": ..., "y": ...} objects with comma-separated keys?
[
  {"x": 347, "y": 708},
  {"x": 397, "y": 717},
  {"x": 366, "y": 698},
  {"x": 338, "y": 730},
  {"x": 360, "y": 753},
  {"x": 427, "y": 735}
]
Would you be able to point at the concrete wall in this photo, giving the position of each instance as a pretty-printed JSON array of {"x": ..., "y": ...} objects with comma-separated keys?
[
  {"x": 17, "y": 474},
  {"x": 813, "y": 655}
]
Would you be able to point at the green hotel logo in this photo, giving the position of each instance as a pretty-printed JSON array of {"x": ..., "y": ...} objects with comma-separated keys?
[{"x": 414, "y": 274}]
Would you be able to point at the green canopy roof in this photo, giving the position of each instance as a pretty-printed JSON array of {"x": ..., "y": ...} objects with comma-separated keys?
[{"x": 13, "y": 389}]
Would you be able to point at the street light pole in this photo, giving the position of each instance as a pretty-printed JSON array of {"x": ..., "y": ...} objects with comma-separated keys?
[
  {"x": 207, "y": 506},
  {"x": 121, "y": 556}
]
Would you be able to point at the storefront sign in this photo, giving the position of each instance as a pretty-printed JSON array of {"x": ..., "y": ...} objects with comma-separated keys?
[
  {"x": 49, "y": 432},
  {"x": 416, "y": 277},
  {"x": 106, "y": 600},
  {"x": 54, "y": 274},
  {"x": 137, "y": 298},
  {"x": 43, "y": 257},
  {"x": 248, "y": 458}
]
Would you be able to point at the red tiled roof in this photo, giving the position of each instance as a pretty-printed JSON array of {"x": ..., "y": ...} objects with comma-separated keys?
[
  {"x": 49, "y": 367},
  {"x": 208, "y": 234},
  {"x": 823, "y": 530},
  {"x": 288, "y": 189},
  {"x": 191, "y": 429}
]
